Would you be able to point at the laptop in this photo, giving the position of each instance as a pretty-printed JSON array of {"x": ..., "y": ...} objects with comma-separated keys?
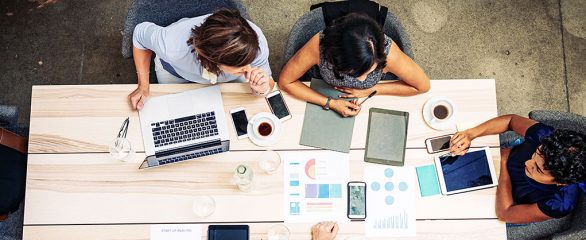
[{"x": 183, "y": 126}]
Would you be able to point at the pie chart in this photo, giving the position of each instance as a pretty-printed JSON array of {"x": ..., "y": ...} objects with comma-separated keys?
[{"x": 310, "y": 169}]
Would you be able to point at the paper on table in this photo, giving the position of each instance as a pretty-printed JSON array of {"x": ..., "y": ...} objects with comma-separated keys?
[
  {"x": 315, "y": 186},
  {"x": 175, "y": 231},
  {"x": 390, "y": 201}
]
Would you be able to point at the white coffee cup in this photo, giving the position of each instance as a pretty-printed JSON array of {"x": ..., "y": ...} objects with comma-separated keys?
[{"x": 263, "y": 127}]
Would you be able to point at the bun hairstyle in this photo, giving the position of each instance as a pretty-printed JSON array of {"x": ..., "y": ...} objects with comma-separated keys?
[
  {"x": 225, "y": 38},
  {"x": 352, "y": 44}
]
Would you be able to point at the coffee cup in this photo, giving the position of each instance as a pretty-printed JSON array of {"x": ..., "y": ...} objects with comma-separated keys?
[
  {"x": 263, "y": 128},
  {"x": 441, "y": 111}
]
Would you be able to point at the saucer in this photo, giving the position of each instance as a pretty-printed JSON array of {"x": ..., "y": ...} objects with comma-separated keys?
[
  {"x": 449, "y": 123},
  {"x": 260, "y": 140}
]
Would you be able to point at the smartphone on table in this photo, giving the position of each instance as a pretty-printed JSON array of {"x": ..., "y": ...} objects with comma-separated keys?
[
  {"x": 240, "y": 121},
  {"x": 277, "y": 104},
  {"x": 438, "y": 144},
  {"x": 357, "y": 200}
]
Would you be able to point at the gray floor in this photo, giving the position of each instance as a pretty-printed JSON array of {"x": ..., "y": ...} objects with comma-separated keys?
[{"x": 535, "y": 49}]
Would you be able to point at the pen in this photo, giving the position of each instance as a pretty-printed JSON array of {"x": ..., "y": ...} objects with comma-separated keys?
[{"x": 369, "y": 96}]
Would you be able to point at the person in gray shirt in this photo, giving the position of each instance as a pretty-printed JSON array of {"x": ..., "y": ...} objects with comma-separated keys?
[{"x": 209, "y": 49}]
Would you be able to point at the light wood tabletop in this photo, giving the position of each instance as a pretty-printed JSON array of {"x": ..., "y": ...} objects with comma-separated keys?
[{"x": 75, "y": 187}]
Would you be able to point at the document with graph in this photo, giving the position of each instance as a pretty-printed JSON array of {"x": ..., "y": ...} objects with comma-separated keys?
[
  {"x": 315, "y": 186},
  {"x": 390, "y": 201}
]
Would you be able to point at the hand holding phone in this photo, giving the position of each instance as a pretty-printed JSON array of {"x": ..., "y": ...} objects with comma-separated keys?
[
  {"x": 356, "y": 200},
  {"x": 438, "y": 144}
]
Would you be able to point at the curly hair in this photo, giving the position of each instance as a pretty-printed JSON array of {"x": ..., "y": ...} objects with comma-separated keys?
[
  {"x": 564, "y": 154},
  {"x": 225, "y": 37}
]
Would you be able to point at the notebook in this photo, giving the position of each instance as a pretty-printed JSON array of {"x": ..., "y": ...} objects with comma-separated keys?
[{"x": 326, "y": 129}]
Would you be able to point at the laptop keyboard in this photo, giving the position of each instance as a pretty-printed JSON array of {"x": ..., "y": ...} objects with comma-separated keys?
[
  {"x": 184, "y": 129},
  {"x": 190, "y": 156}
]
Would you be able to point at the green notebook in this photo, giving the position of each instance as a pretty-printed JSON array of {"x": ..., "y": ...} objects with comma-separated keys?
[
  {"x": 428, "y": 183},
  {"x": 326, "y": 129}
]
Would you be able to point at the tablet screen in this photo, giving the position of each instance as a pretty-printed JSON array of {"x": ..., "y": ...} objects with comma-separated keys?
[
  {"x": 228, "y": 232},
  {"x": 386, "y": 137},
  {"x": 462, "y": 172}
]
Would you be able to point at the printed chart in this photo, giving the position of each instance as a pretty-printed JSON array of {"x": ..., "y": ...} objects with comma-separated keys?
[
  {"x": 314, "y": 183},
  {"x": 390, "y": 201}
]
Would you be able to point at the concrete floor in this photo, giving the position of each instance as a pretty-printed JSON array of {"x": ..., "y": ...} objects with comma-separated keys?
[{"x": 535, "y": 49}]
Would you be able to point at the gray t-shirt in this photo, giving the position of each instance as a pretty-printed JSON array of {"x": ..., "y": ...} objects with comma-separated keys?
[{"x": 170, "y": 44}]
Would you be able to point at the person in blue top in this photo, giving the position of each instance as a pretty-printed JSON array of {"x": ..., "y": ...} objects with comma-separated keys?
[
  {"x": 209, "y": 49},
  {"x": 540, "y": 178}
]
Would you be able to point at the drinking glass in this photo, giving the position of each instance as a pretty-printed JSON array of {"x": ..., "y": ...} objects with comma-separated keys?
[
  {"x": 269, "y": 161},
  {"x": 278, "y": 232},
  {"x": 121, "y": 149},
  {"x": 204, "y": 206}
]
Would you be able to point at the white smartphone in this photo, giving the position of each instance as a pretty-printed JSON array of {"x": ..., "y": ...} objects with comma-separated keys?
[
  {"x": 356, "y": 200},
  {"x": 438, "y": 144},
  {"x": 240, "y": 122},
  {"x": 278, "y": 107}
]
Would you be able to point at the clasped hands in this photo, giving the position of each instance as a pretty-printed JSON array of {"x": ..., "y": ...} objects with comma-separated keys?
[{"x": 349, "y": 108}]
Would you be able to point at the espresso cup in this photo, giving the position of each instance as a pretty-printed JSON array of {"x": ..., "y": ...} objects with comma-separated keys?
[
  {"x": 441, "y": 111},
  {"x": 264, "y": 128}
]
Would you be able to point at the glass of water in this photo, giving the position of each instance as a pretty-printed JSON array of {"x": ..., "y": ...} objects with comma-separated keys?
[
  {"x": 278, "y": 232},
  {"x": 269, "y": 161},
  {"x": 204, "y": 206},
  {"x": 121, "y": 149}
]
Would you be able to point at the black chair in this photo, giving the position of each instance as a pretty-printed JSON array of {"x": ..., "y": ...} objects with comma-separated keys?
[
  {"x": 312, "y": 22},
  {"x": 572, "y": 226}
]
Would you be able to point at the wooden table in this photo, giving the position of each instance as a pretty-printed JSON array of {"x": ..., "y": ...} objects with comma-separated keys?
[{"x": 75, "y": 188}]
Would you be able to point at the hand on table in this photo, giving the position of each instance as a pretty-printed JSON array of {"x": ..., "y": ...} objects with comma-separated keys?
[
  {"x": 138, "y": 97},
  {"x": 324, "y": 231},
  {"x": 354, "y": 93},
  {"x": 345, "y": 108},
  {"x": 258, "y": 80},
  {"x": 460, "y": 143}
]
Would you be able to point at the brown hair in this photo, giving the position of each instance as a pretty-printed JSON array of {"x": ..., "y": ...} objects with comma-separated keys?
[{"x": 224, "y": 38}]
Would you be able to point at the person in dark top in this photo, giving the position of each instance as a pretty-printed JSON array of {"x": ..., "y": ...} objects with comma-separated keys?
[
  {"x": 352, "y": 56},
  {"x": 544, "y": 175}
]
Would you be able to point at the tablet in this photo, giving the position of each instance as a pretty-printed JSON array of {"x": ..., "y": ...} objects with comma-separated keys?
[
  {"x": 386, "y": 137},
  {"x": 472, "y": 171},
  {"x": 228, "y": 232}
]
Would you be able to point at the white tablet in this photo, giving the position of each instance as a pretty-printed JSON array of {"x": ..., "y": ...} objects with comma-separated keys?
[{"x": 472, "y": 171}]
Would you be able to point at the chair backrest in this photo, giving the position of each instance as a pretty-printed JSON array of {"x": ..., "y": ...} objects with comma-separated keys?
[
  {"x": 561, "y": 120},
  {"x": 163, "y": 13},
  {"x": 312, "y": 22}
]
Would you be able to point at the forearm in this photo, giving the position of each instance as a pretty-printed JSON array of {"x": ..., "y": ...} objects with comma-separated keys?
[
  {"x": 493, "y": 126},
  {"x": 142, "y": 62},
  {"x": 303, "y": 92},
  {"x": 398, "y": 88},
  {"x": 504, "y": 195}
]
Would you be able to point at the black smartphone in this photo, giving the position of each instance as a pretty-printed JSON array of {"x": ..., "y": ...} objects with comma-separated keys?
[
  {"x": 228, "y": 232},
  {"x": 356, "y": 200},
  {"x": 438, "y": 144},
  {"x": 278, "y": 106},
  {"x": 240, "y": 122}
]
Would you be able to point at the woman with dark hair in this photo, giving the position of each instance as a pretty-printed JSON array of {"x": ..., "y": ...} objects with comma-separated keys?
[
  {"x": 208, "y": 49},
  {"x": 352, "y": 55},
  {"x": 542, "y": 177}
]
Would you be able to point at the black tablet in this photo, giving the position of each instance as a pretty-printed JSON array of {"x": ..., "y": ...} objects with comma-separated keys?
[
  {"x": 228, "y": 232},
  {"x": 386, "y": 137}
]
